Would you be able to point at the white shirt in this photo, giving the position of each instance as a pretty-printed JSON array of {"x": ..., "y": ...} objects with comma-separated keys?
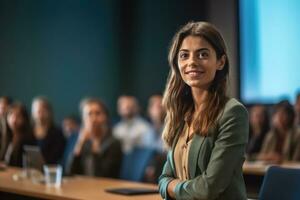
[{"x": 131, "y": 133}]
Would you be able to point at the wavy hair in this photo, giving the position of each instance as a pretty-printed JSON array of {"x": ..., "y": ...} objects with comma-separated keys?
[{"x": 178, "y": 100}]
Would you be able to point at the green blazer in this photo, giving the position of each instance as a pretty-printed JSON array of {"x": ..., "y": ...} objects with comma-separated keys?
[{"x": 215, "y": 161}]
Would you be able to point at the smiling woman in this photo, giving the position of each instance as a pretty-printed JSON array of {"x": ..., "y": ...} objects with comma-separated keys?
[
  {"x": 198, "y": 63},
  {"x": 206, "y": 129}
]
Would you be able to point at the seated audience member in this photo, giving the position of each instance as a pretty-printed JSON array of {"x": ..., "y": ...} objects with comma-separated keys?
[
  {"x": 132, "y": 128},
  {"x": 49, "y": 137},
  {"x": 297, "y": 111},
  {"x": 156, "y": 114},
  {"x": 281, "y": 142},
  {"x": 4, "y": 134},
  {"x": 19, "y": 125},
  {"x": 259, "y": 126},
  {"x": 153, "y": 138},
  {"x": 97, "y": 152},
  {"x": 70, "y": 126}
]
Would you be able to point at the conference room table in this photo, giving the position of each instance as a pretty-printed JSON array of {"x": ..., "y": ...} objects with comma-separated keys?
[
  {"x": 72, "y": 188},
  {"x": 259, "y": 168},
  {"x": 91, "y": 188}
]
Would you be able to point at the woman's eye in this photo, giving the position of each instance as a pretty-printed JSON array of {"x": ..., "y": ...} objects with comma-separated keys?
[
  {"x": 203, "y": 55},
  {"x": 183, "y": 55}
]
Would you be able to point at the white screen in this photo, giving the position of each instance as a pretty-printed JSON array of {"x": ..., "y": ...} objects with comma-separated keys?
[{"x": 269, "y": 50}]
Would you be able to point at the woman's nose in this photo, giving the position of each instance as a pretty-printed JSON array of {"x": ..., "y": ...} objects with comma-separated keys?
[{"x": 192, "y": 61}]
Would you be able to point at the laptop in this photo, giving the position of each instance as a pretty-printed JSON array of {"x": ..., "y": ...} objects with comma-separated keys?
[{"x": 33, "y": 158}]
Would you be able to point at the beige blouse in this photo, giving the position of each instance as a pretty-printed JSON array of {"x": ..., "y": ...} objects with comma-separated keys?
[{"x": 181, "y": 153}]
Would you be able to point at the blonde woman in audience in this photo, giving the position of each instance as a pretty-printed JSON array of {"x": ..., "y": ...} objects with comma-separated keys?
[
  {"x": 97, "y": 152},
  {"x": 282, "y": 141},
  {"x": 49, "y": 138}
]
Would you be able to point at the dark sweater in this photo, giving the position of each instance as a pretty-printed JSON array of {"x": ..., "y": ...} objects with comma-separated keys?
[{"x": 106, "y": 162}]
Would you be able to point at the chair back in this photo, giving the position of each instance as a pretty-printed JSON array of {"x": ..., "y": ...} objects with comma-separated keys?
[
  {"x": 280, "y": 184},
  {"x": 135, "y": 163}
]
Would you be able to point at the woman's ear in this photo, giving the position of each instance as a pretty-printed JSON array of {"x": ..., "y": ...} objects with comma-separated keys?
[{"x": 221, "y": 62}]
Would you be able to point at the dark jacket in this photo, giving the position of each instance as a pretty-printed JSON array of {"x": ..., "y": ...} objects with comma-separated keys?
[
  {"x": 52, "y": 146},
  {"x": 14, "y": 154},
  {"x": 106, "y": 162}
]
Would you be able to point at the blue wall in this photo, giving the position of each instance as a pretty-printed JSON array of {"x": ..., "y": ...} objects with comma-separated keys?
[{"x": 69, "y": 49}]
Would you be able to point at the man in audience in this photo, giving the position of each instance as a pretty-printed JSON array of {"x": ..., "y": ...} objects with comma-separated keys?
[
  {"x": 70, "y": 126},
  {"x": 97, "y": 152},
  {"x": 156, "y": 115},
  {"x": 154, "y": 140},
  {"x": 132, "y": 128},
  {"x": 4, "y": 136}
]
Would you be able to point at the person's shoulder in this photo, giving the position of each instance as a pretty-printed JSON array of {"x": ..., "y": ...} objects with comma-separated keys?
[
  {"x": 142, "y": 122},
  {"x": 270, "y": 135},
  {"x": 233, "y": 103},
  {"x": 118, "y": 126},
  {"x": 234, "y": 108}
]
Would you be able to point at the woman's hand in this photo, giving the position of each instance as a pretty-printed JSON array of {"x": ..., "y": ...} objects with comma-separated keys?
[{"x": 171, "y": 187}]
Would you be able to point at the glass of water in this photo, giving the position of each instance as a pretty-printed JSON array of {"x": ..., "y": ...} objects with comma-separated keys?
[{"x": 53, "y": 175}]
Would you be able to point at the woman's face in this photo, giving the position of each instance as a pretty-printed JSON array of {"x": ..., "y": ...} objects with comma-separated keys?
[
  {"x": 257, "y": 116},
  {"x": 197, "y": 62},
  {"x": 15, "y": 120},
  {"x": 280, "y": 120}
]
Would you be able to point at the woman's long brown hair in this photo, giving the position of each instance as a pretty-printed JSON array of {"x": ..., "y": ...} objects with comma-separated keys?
[{"x": 178, "y": 100}]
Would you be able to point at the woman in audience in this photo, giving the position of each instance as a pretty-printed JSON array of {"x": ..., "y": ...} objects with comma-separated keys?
[
  {"x": 21, "y": 131},
  {"x": 297, "y": 111},
  {"x": 259, "y": 126},
  {"x": 49, "y": 137},
  {"x": 5, "y": 103},
  {"x": 281, "y": 142},
  {"x": 97, "y": 152}
]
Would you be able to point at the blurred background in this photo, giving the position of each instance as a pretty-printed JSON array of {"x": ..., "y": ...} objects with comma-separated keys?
[
  {"x": 66, "y": 50},
  {"x": 69, "y": 49}
]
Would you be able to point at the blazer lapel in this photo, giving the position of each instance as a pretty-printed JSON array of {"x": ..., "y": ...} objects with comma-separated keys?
[{"x": 194, "y": 153}]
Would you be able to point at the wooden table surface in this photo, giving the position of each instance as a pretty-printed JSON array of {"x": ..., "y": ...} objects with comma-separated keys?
[
  {"x": 259, "y": 168},
  {"x": 78, "y": 187}
]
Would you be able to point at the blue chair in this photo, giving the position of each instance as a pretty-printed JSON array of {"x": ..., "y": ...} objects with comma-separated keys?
[
  {"x": 135, "y": 163},
  {"x": 281, "y": 184}
]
